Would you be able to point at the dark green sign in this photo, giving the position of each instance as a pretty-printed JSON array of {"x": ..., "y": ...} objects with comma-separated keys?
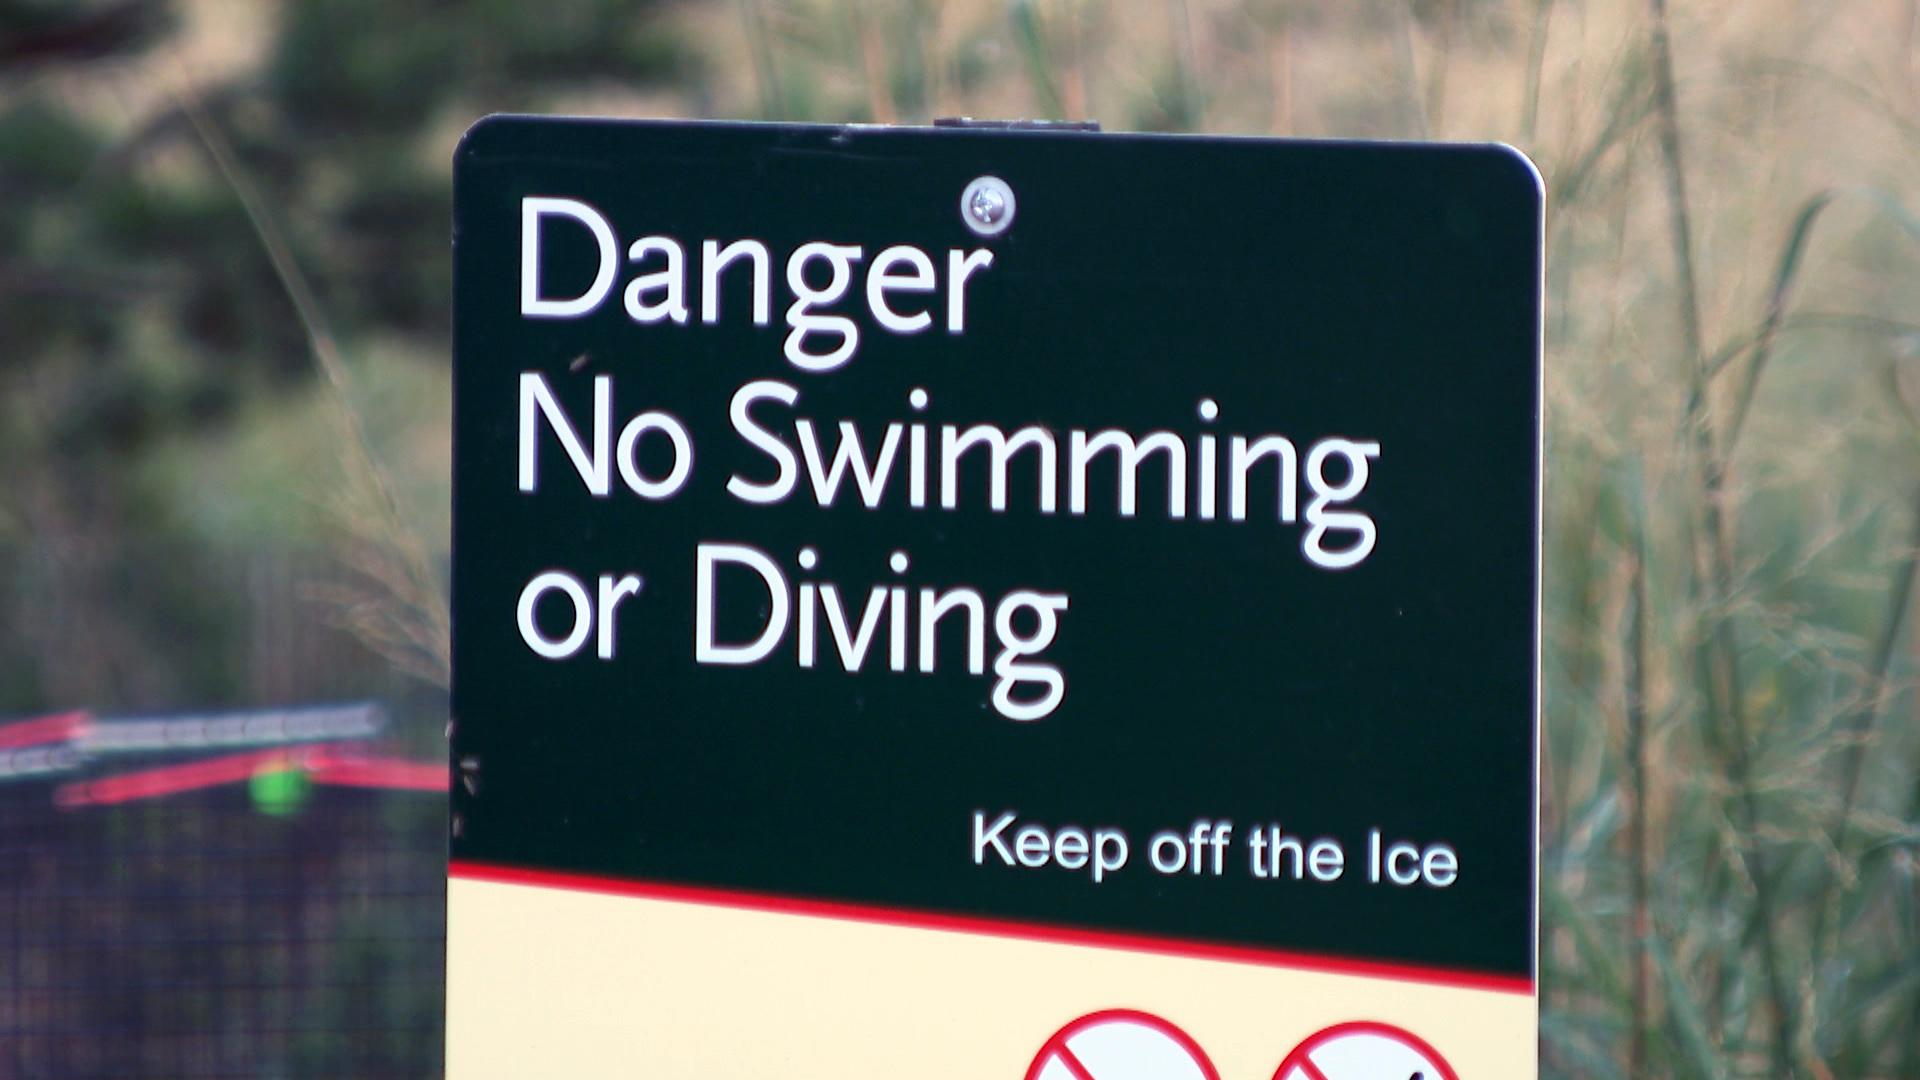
[{"x": 1114, "y": 535}]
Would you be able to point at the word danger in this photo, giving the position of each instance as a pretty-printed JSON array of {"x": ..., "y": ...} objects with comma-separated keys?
[{"x": 817, "y": 339}]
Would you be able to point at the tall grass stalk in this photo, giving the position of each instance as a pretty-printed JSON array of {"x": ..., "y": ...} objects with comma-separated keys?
[
  {"x": 873, "y": 63},
  {"x": 1032, "y": 34},
  {"x": 1718, "y": 661},
  {"x": 1858, "y": 727},
  {"x": 1446, "y": 14},
  {"x": 1639, "y": 867},
  {"x": 1537, "y": 30},
  {"x": 1415, "y": 101},
  {"x": 409, "y": 625},
  {"x": 1280, "y": 77},
  {"x": 766, "y": 76},
  {"x": 1186, "y": 63}
]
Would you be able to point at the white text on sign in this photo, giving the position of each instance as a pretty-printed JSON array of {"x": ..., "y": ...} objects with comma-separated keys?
[{"x": 1202, "y": 848}]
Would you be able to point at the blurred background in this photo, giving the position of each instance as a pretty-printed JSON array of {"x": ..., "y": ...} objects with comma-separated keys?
[{"x": 224, "y": 461}]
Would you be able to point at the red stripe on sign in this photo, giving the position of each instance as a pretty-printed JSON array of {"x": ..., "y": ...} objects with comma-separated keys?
[
  {"x": 993, "y": 927},
  {"x": 1307, "y": 1066},
  {"x": 1073, "y": 1064}
]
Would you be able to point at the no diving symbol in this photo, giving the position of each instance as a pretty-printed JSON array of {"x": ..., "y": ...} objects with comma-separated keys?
[
  {"x": 1121, "y": 1044},
  {"x": 1364, "y": 1050}
]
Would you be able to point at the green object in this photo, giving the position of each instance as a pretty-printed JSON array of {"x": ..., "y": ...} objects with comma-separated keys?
[{"x": 279, "y": 790}]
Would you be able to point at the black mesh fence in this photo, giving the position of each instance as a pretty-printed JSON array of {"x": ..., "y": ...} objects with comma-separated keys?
[
  {"x": 240, "y": 891},
  {"x": 200, "y": 935}
]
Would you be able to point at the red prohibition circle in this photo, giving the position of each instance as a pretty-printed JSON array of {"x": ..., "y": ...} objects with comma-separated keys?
[
  {"x": 1299, "y": 1057},
  {"x": 1057, "y": 1045}
]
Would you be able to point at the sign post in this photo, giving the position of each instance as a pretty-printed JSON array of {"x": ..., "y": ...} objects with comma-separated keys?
[{"x": 992, "y": 604}]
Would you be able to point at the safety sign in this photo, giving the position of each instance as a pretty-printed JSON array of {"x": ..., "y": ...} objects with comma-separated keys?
[{"x": 887, "y": 559}]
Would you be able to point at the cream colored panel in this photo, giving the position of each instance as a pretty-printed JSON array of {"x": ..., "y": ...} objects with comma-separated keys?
[{"x": 548, "y": 982}]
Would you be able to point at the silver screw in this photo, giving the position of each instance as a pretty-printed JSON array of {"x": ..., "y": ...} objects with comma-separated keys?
[{"x": 987, "y": 206}]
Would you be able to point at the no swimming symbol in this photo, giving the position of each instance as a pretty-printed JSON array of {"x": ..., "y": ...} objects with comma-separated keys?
[
  {"x": 1121, "y": 1044},
  {"x": 1364, "y": 1050}
]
